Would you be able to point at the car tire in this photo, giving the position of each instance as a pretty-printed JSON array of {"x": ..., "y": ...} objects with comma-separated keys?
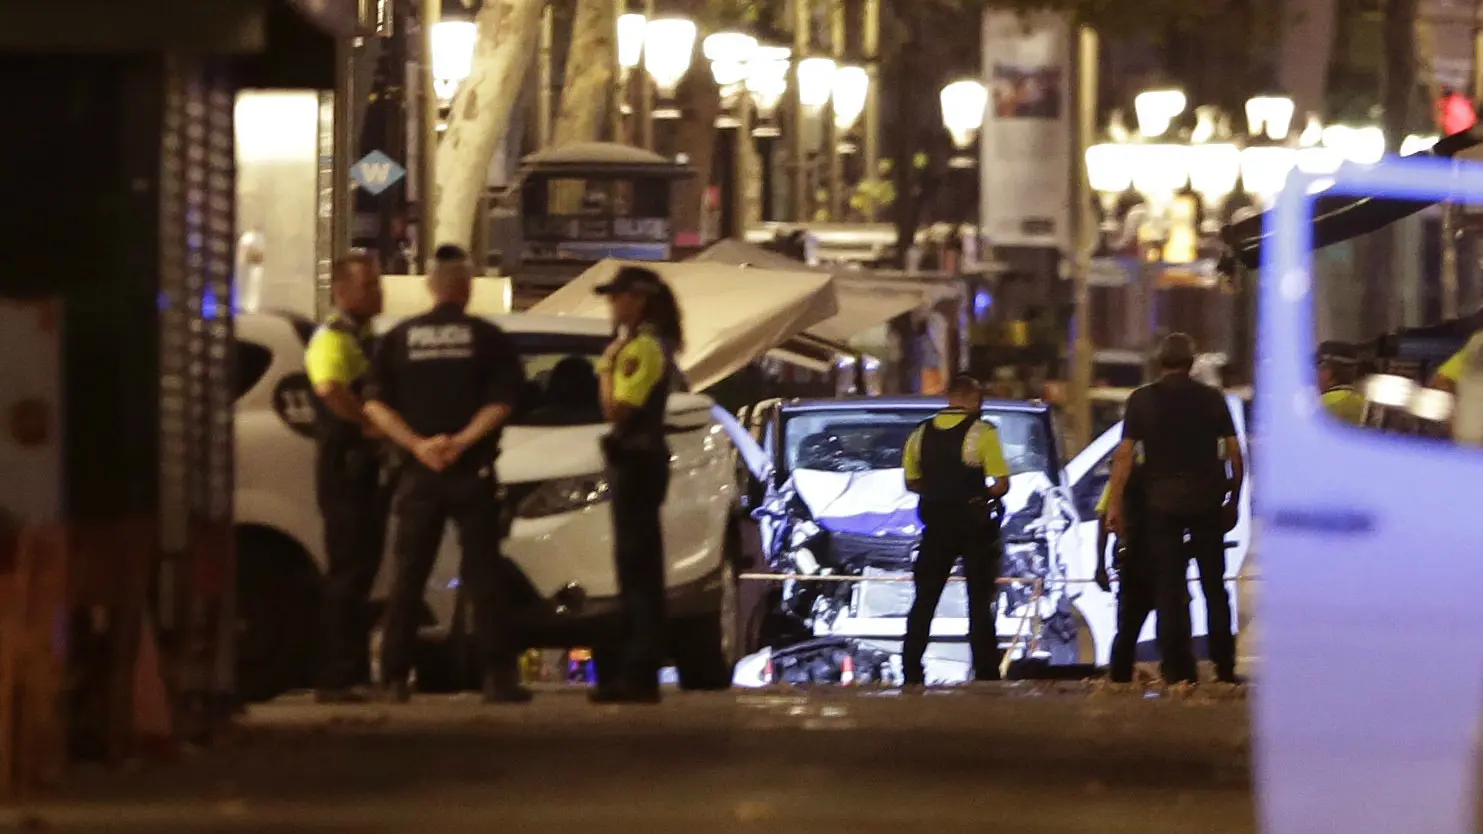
[
  {"x": 278, "y": 591},
  {"x": 706, "y": 648},
  {"x": 1068, "y": 639}
]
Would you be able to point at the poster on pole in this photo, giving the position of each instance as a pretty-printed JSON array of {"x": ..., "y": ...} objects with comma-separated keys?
[{"x": 1025, "y": 173}]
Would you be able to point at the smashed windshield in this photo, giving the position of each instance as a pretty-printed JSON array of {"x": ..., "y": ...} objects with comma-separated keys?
[{"x": 861, "y": 441}]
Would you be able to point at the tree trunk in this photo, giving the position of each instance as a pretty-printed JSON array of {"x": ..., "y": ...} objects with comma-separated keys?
[
  {"x": 480, "y": 115},
  {"x": 1307, "y": 44},
  {"x": 1398, "y": 86},
  {"x": 700, "y": 103},
  {"x": 589, "y": 73}
]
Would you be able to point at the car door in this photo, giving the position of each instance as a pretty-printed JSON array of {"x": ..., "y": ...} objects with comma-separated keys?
[{"x": 1372, "y": 633}]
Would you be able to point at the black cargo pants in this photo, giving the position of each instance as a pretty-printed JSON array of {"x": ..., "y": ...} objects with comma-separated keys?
[
  {"x": 950, "y": 533},
  {"x": 1170, "y": 555},
  {"x": 425, "y": 502},
  {"x": 1137, "y": 597},
  {"x": 639, "y": 481},
  {"x": 354, "y": 504}
]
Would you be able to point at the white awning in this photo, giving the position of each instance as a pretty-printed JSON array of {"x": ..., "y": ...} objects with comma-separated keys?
[
  {"x": 863, "y": 303},
  {"x": 733, "y": 315}
]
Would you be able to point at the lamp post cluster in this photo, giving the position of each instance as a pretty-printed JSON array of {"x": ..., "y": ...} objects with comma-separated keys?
[
  {"x": 831, "y": 95},
  {"x": 1172, "y": 184}
]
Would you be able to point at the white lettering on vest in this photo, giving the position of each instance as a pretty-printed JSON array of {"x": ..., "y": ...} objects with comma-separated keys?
[
  {"x": 438, "y": 336},
  {"x": 439, "y": 341}
]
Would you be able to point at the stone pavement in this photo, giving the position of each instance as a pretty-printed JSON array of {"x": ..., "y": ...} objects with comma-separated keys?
[{"x": 1019, "y": 757}]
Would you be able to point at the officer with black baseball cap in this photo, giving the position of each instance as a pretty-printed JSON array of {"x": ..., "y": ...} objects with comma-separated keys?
[
  {"x": 636, "y": 375},
  {"x": 442, "y": 386}
]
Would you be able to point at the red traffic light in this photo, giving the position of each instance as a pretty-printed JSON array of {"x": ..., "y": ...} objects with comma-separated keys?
[{"x": 1455, "y": 113}]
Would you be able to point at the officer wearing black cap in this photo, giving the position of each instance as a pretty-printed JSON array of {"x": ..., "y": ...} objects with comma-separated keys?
[
  {"x": 350, "y": 479},
  {"x": 949, "y": 461},
  {"x": 636, "y": 375},
  {"x": 1338, "y": 364},
  {"x": 442, "y": 385}
]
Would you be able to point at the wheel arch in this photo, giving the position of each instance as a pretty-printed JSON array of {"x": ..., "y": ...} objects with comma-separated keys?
[{"x": 279, "y": 543}]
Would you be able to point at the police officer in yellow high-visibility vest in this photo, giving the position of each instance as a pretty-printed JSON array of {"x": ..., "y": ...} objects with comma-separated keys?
[
  {"x": 352, "y": 493},
  {"x": 1451, "y": 372},
  {"x": 1338, "y": 365},
  {"x": 950, "y": 461},
  {"x": 636, "y": 375}
]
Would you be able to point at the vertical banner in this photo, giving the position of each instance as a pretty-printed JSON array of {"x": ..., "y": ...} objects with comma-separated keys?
[{"x": 1025, "y": 179}]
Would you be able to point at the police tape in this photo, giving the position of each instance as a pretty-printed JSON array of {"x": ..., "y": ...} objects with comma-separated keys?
[{"x": 906, "y": 577}]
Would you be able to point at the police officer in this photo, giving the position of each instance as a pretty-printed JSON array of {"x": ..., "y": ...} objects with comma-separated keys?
[
  {"x": 442, "y": 385},
  {"x": 349, "y": 477},
  {"x": 1338, "y": 365},
  {"x": 949, "y": 461},
  {"x": 636, "y": 375}
]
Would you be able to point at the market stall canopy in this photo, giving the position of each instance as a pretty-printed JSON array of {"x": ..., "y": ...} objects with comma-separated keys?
[
  {"x": 1337, "y": 219},
  {"x": 733, "y": 315},
  {"x": 863, "y": 303}
]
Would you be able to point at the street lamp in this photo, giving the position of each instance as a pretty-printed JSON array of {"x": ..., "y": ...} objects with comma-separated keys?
[
  {"x": 1160, "y": 171},
  {"x": 1360, "y": 145},
  {"x": 963, "y": 106},
  {"x": 1271, "y": 115},
  {"x": 815, "y": 82},
  {"x": 630, "y": 42},
  {"x": 729, "y": 53},
  {"x": 1156, "y": 110},
  {"x": 669, "y": 43},
  {"x": 1214, "y": 170},
  {"x": 1264, "y": 170},
  {"x": 766, "y": 82},
  {"x": 453, "y": 55},
  {"x": 1110, "y": 174},
  {"x": 851, "y": 86}
]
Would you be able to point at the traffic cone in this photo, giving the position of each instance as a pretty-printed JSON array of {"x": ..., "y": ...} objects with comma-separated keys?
[{"x": 847, "y": 671}]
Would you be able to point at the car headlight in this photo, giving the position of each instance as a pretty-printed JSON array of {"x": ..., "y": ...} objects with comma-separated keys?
[{"x": 563, "y": 495}]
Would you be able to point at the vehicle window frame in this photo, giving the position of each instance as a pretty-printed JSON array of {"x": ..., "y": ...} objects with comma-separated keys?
[{"x": 1052, "y": 468}]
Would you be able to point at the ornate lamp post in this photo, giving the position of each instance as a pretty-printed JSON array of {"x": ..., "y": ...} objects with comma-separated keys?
[
  {"x": 766, "y": 83},
  {"x": 669, "y": 43},
  {"x": 453, "y": 55},
  {"x": 963, "y": 106}
]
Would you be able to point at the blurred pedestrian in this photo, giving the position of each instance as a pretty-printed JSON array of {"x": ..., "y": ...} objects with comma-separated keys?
[
  {"x": 949, "y": 462},
  {"x": 351, "y": 480},
  {"x": 1338, "y": 364},
  {"x": 1137, "y": 595},
  {"x": 442, "y": 386},
  {"x": 1183, "y": 427},
  {"x": 637, "y": 374}
]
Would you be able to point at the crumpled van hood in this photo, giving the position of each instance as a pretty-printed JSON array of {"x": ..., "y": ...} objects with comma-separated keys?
[{"x": 877, "y": 503}]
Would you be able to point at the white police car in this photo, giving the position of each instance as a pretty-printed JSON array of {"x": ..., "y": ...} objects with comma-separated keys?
[{"x": 560, "y": 542}]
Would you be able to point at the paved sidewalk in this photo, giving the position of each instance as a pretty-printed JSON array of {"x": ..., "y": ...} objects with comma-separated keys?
[{"x": 1012, "y": 757}]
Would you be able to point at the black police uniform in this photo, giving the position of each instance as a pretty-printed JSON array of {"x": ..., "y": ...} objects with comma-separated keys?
[
  {"x": 437, "y": 371},
  {"x": 351, "y": 486},
  {"x": 959, "y": 521},
  {"x": 638, "y": 475}
]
